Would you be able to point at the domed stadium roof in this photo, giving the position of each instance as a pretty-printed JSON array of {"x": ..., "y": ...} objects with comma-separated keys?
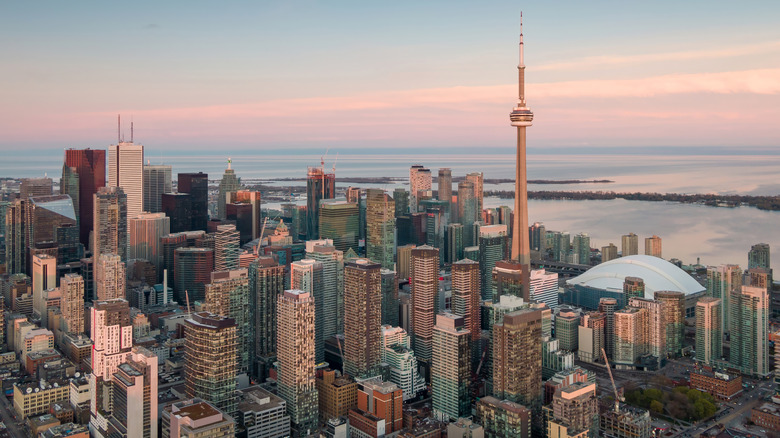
[{"x": 657, "y": 273}]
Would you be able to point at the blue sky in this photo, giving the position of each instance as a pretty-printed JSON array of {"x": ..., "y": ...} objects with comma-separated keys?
[{"x": 259, "y": 75}]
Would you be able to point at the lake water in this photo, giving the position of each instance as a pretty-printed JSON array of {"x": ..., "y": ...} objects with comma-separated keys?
[{"x": 716, "y": 235}]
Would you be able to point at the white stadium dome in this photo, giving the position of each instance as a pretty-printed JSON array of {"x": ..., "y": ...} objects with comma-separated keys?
[{"x": 657, "y": 273}]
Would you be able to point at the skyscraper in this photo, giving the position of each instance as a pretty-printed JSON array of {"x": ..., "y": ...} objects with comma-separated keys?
[
  {"x": 397, "y": 353},
  {"x": 653, "y": 246},
  {"x": 581, "y": 249},
  {"x": 749, "y": 331},
  {"x": 401, "y": 198},
  {"x": 44, "y": 277},
  {"x": 608, "y": 306},
  {"x": 655, "y": 331},
  {"x": 145, "y": 231},
  {"x": 72, "y": 289},
  {"x": 90, "y": 166},
  {"x": 229, "y": 183},
  {"x": 266, "y": 280},
  {"x": 445, "y": 184},
  {"x": 157, "y": 180},
  {"x": 390, "y": 301},
  {"x": 307, "y": 275},
  {"x": 319, "y": 186},
  {"x": 339, "y": 222},
  {"x": 363, "y": 298},
  {"x": 380, "y": 228},
  {"x": 758, "y": 257},
  {"x": 133, "y": 395},
  {"x": 419, "y": 185},
  {"x": 709, "y": 335},
  {"x": 178, "y": 208},
  {"x": 112, "y": 340},
  {"x": 575, "y": 411},
  {"x": 477, "y": 181},
  {"x": 226, "y": 248},
  {"x": 673, "y": 311},
  {"x": 210, "y": 344},
  {"x": 69, "y": 185},
  {"x": 126, "y": 170},
  {"x": 467, "y": 211},
  {"x": 521, "y": 117},
  {"x": 332, "y": 304},
  {"x": 517, "y": 358},
  {"x": 629, "y": 244},
  {"x": 451, "y": 367},
  {"x": 466, "y": 296},
  {"x": 32, "y": 187},
  {"x": 492, "y": 242},
  {"x": 193, "y": 270},
  {"x": 425, "y": 288},
  {"x": 721, "y": 281},
  {"x": 296, "y": 359},
  {"x": 110, "y": 222},
  {"x": 544, "y": 287},
  {"x": 608, "y": 253},
  {"x": 197, "y": 186},
  {"x": 243, "y": 206},
  {"x": 630, "y": 336},
  {"x": 110, "y": 277},
  {"x": 228, "y": 295}
]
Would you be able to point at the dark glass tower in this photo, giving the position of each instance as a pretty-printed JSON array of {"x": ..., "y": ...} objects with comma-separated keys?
[
  {"x": 197, "y": 185},
  {"x": 90, "y": 166},
  {"x": 319, "y": 185}
]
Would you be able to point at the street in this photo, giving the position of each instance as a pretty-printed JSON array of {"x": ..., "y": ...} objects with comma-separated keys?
[{"x": 7, "y": 414}]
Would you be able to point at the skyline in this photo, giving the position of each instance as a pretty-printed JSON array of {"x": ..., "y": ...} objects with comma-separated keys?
[{"x": 678, "y": 75}]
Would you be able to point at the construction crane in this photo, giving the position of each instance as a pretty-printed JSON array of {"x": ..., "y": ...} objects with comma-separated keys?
[
  {"x": 260, "y": 240},
  {"x": 614, "y": 388},
  {"x": 334, "y": 163},
  {"x": 481, "y": 361}
]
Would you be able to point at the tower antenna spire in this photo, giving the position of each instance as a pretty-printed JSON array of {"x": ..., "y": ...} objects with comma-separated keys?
[
  {"x": 118, "y": 128},
  {"x": 131, "y": 129}
]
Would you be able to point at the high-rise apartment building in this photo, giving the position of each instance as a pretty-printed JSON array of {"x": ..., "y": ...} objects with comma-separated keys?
[
  {"x": 444, "y": 184},
  {"x": 266, "y": 281},
  {"x": 508, "y": 280},
  {"x": 210, "y": 344},
  {"x": 608, "y": 306},
  {"x": 709, "y": 334},
  {"x": 653, "y": 246},
  {"x": 157, "y": 180},
  {"x": 228, "y": 295},
  {"x": 229, "y": 183},
  {"x": 503, "y": 419},
  {"x": 749, "y": 331},
  {"x": 477, "y": 181},
  {"x": 307, "y": 275},
  {"x": 72, "y": 303},
  {"x": 425, "y": 289},
  {"x": 90, "y": 166},
  {"x": 493, "y": 247},
  {"x": 397, "y": 353},
  {"x": 451, "y": 367},
  {"x": 145, "y": 231},
  {"x": 197, "y": 186},
  {"x": 455, "y": 243},
  {"x": 544, "y": 288},
  {"x": 378, "y": 401},
  {"x": 466, "y": 296},
  {"x": 758, "y": 257},
  {"x": 296, "y": 359},
  {"x": 630, "y": 336},
  {"x": 319, "y": 186},
  {"x": 721, "y": 281},
  {"x": 633, "y": 287},
  {"x": 517, "y": 358},
  {"x": 110, "y": 222},
  {"x": 112, "y": 340},
  {"x": 419, "y": 184},
  {"x": 363, "y": 298},
  {"x": 575, "y": 411},
  {"x": 126, "y": 170},
  {"x": 673, "y": 314},
  {"x": 655, "y": 333},
  {"x": 226, "y": 248},
  {"x": 562, "y": 246},
  {"x": 629, "y": 244},
  {"x": 332, "y": 304},
  {"x": 110, "y": 277},
  {"x": 538, "y": 238},
  {"x": 380, "y": 228},
  {"x": 134, "y": 396},
  {"x": 608, "y": 253},
  {"x": 44, "y": 277},
  {"x": 467, "y": 210},
  {"x": 580, "y": 253},
  {"x": 567, "y": 321},
  {"x": 591, "y": 337}
]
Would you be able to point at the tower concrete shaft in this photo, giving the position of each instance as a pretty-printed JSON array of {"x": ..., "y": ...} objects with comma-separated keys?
[{"x": 521, "y": 117}]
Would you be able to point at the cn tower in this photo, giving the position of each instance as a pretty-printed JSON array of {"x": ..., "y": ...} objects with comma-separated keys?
[{"x": 521, "y": 117}]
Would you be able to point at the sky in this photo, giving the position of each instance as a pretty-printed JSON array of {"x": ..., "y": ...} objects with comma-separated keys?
[{"x": 359, "y": 75}]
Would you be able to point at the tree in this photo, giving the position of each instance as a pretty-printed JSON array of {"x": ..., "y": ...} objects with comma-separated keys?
[
  {"x": 693, "y": 395},
  {"x": 657, "y": 407}
]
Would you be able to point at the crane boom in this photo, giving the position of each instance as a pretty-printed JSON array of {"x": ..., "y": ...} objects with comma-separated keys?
[{"x": 612, "y": 379}]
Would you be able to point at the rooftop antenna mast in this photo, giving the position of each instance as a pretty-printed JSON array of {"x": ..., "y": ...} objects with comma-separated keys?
[
  {"x": 131, "y": 129},
  {"x": 118, "y": 128}
]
